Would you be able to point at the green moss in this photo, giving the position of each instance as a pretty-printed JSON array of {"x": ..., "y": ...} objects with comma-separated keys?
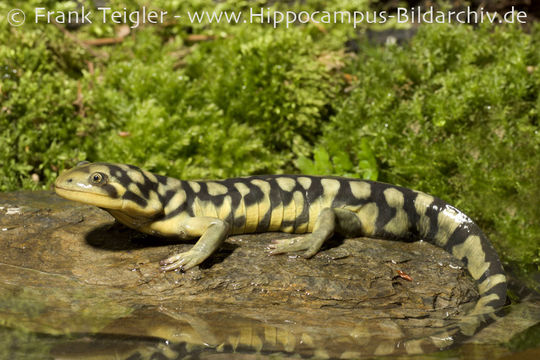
[
  {"x": 38, "y": 115},
  {"x": 238, "y": 105}
]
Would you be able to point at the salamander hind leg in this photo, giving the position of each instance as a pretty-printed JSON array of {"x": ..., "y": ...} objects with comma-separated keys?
[
  {"x": 309, "y": 244},
  {"x": 328, "y": 222}
]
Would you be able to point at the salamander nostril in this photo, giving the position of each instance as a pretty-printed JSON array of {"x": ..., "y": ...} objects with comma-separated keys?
[{"x": 69, "y": 180}]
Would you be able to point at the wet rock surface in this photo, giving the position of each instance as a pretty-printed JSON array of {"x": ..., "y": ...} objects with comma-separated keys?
[{"x": 89, "y": 286}]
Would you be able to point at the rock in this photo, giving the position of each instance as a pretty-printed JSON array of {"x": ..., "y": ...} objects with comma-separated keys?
[{"x": 68, "y": 269}]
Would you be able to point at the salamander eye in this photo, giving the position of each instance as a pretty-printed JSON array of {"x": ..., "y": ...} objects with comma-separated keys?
[{"x": 98, "y": 178}]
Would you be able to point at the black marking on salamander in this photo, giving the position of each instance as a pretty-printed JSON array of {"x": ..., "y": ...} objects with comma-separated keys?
[
  {"x": 432, "y": 213},
  {"x": 409, "y": 197},
  {"x": 460, "y": 234},
  {"x": 233, "y": 193},
  {"x": 147, "y": 187},
  {"x": 204, "y": 195},
  {"x": 386, "y": 212},
  {"x": 111, "y": 191},
  {"x": 254, "y": 196},
  {"x": 275, "y": 195},
  {"x": 315, "y": 190},
  {"x": 120, "y": 174},
  {"x": 162, "y": 180},
  {"x": 187, "y": 205},
  {"x": 236, "y": 198},
  {"x": 264, "y": 223},
  {"x": 130, "y": 195},
  {"x": 343, "y": 196},
  {"x": 497, "y": 289},
  {"x": 303, "y": 218},
  {"x": 286, "y": 198},
  {"x": 169, "y": 194}
]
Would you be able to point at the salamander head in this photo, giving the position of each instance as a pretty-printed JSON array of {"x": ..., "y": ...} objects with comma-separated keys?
[{"x": 118, "y": 187}]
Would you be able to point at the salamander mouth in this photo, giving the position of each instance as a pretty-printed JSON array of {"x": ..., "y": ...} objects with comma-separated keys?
[
  {"x": 79, "y": 191},
  {"x": 89, "y": 197},
  {"x": 64, "y": 192}
]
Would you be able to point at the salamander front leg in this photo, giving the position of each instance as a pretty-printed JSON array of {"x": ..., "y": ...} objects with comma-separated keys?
[{"x": 212, "y": 232}]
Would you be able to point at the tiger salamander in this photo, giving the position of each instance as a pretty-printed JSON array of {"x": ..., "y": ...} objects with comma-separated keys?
[{"x": 317, "y": 207}]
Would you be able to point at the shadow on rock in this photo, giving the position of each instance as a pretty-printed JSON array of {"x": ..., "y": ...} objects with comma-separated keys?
[{"x": 117, "y": 237}]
